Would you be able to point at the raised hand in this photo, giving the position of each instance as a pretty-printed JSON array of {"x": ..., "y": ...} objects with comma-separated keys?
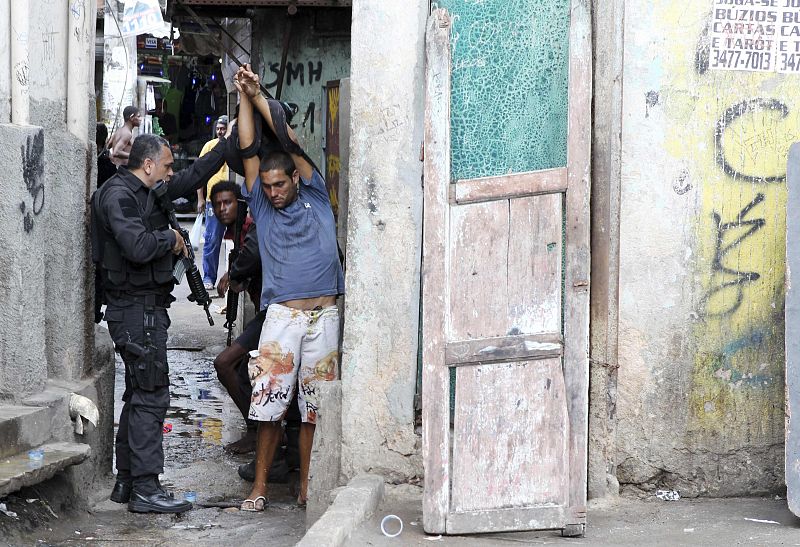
[{"x": 247, "y": 81}]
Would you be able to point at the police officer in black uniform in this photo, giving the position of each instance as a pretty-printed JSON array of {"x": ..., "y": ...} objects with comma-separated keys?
[{"x": 136, "y": 248}]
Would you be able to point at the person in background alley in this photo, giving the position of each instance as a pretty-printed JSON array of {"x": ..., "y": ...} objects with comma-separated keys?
[
  {"x": 135, "y": 247},
  {"x": 122, "y": 139},
  {"x": 214, "y": 229},
  {"x": 301, "y": 278}
]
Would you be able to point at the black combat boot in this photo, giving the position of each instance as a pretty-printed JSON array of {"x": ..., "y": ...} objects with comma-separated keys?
[
  {"x": 147, "y": 496},
  {"x": 122, "y": 491}
]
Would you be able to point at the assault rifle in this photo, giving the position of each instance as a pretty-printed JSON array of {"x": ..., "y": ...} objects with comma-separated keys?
[
  {"x": 232, "y": 306},
  {"x": 184, "y": 265}
]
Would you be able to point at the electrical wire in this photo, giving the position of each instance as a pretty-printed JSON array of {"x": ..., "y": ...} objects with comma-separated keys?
[{"x": 218, "y": 42}]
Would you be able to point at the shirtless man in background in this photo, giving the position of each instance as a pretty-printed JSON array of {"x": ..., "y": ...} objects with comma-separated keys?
[{"x": 122, "y": 139}]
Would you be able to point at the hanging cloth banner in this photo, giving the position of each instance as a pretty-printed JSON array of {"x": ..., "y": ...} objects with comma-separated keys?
[{"x": 141, "y": 17}]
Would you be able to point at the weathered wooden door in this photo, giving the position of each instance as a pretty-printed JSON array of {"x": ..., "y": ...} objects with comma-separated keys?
[{"x": 505, "y": 284}]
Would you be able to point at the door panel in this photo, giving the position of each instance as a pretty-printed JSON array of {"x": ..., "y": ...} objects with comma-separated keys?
[
  {"x": 509, "y": 438},
  {"x": 534, "y": 264},
  {"x": 478, "y": 252},
  {"x": 505, "y": 267}
]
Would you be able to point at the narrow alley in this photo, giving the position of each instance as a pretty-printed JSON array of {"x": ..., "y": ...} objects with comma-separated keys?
[{"x": 530, "y": 267}]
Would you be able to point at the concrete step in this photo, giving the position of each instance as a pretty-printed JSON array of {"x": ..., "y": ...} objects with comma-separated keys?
[
  {"x": 19, "y": 470},
  {"x": 23, "y": 427}
]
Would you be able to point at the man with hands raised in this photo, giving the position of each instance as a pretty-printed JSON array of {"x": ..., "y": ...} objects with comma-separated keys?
[{"x": 301, "y": 278}]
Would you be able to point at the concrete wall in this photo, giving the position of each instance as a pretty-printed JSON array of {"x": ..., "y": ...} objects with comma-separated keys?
[
  {"x": 379, "y": 361},
  {"x": 55, "y": 216},
  {"x": 314, "y": 58},
  {"x": 23, "y": 360},
  {"x": 47, "y": 55},
  {"x": 701, "y": 263},
  {"x": 46, "y": 278}
]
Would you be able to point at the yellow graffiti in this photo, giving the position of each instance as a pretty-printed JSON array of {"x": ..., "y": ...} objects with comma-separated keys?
[
  {"x": 333, "y": 178},
  {"x": 334, "y": 201},
  {"x": 333, "y": 165},
  {"x": 333, "y": 106},
  {"x": 731, "y": 131}
]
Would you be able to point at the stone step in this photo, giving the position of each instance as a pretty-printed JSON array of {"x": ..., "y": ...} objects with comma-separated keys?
[
  {"x": 19, "y": 470},
  {"x": 23, "y": 427}
]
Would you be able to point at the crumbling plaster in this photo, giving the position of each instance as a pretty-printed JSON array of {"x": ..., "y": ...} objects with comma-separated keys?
[{"x": 379, "y": 364}]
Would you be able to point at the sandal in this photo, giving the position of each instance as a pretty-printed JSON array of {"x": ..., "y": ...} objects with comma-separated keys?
[{"x": 255, "y": 505}]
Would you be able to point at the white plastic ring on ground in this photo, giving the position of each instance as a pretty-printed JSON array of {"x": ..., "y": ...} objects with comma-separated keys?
[{"x": 389, "y": 518}]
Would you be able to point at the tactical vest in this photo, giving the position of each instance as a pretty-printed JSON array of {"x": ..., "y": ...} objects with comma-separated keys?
[{"x": 120, "y": 274}]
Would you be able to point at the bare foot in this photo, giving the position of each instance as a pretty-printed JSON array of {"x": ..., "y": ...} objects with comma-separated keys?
[{"x": 245, "y": 445}]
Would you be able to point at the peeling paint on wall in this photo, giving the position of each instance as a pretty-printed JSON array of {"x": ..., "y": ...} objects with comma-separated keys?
[
  {"x": 704, "y": 355},
  {"x": 733, "y": 131},
  {"x": 740, "y": 125}
]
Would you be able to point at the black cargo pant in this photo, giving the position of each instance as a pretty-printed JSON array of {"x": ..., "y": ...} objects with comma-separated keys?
[{"x": 139, "y": 450}]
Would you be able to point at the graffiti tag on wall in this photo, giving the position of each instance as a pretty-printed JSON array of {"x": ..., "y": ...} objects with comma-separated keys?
[
  {"x": 754, "y": 144},
  {"x": 295, "y": 73},
  {"x": 33, "y": 177},
  {"x": 332, "y": 162},
  {"x": 728, "y": 132},
  {"x": 730, "y": 237}
]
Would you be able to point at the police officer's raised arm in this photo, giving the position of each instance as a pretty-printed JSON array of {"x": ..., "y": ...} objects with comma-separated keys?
[
  {"x": 196, "y": 176},
  {"x": 247, "y": 82}
]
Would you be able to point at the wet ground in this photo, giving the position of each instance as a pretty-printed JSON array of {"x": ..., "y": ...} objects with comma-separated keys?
[{"x": 201, "y": 420}]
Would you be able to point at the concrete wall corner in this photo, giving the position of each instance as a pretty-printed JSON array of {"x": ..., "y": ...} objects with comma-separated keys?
[{"x": 384, "y": 228}]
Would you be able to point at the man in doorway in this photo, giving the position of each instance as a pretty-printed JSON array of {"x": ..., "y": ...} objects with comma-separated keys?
[
  {"x": 214, "y": 229},
  {"x": 302, "y": 277},
  {"x": 134, "y": 245},
  {"x": 231, "y": 364},
  {"x": 122, "y": 139}
]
